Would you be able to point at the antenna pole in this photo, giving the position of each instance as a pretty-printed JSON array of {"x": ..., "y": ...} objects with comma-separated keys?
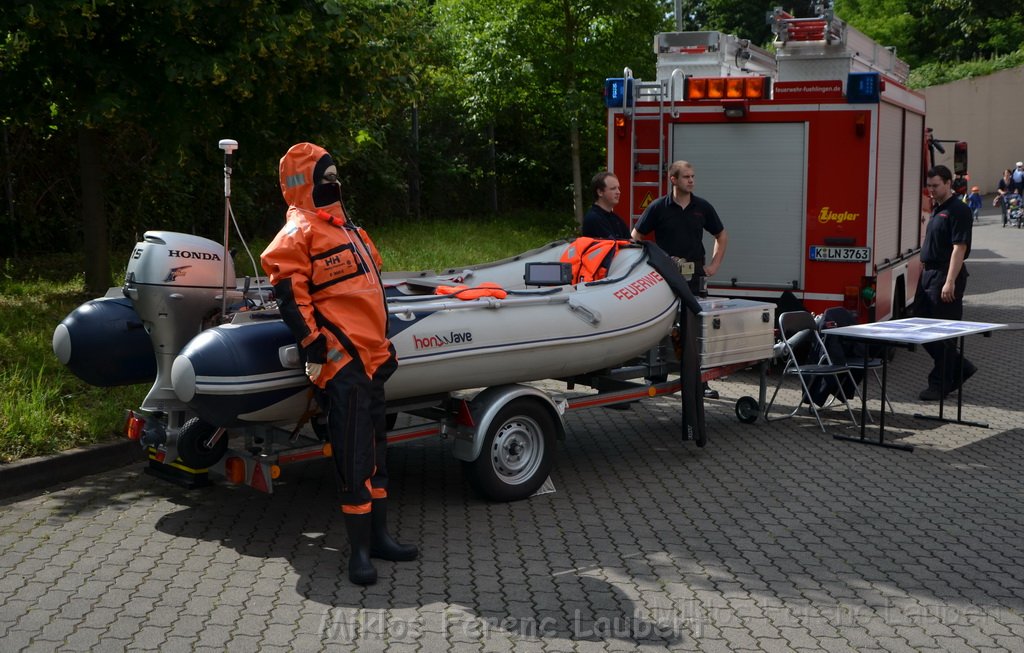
[{"x": 229, "y": 146}]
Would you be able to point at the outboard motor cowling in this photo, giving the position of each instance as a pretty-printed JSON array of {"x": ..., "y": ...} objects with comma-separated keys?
[{"x": 175, "y": 282}]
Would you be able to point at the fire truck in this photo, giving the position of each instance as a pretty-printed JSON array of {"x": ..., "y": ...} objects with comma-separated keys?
[{"x": 813, "y": 155}]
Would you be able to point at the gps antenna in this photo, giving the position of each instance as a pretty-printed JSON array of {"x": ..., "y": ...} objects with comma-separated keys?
[{"x": 229, "y": 146}]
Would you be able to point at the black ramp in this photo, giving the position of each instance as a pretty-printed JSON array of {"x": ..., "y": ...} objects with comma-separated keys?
[
  {"x": 689, "y": 376},
  {"x": 689, "y": 326}
]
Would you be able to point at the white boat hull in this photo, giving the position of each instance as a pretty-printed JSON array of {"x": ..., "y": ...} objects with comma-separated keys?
[{"x": 250, "y": 371}]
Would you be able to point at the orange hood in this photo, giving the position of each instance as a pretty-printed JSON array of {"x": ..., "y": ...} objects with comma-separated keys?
[{"x": 300, "y": 167}]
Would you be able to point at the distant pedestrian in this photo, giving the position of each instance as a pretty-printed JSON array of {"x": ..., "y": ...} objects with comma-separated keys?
[
  {"x": 974, "y": 202},
  {"x": 1004, "y": 186},
  {"x": 1018, "y": 178}
]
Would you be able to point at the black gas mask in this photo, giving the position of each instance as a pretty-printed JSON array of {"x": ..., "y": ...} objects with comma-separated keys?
[{"x": 326, "y": 187}]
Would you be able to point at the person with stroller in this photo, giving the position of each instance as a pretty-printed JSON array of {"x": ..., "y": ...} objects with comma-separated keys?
[{"x": 1014, "y": 210}]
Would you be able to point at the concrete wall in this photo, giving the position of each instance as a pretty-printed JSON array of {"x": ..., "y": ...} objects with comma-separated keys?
[{"x": 988, "y": 113}]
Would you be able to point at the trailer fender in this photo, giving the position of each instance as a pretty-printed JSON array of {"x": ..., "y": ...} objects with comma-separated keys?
[{"x": 485, "y": 406}]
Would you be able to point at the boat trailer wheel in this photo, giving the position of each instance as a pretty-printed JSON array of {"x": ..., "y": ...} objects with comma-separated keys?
[
  {"x": 517, "y": 452},
  {"x": 747, "y": 410}
]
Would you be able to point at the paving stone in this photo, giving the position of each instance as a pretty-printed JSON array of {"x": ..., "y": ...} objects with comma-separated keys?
[{"x": 773, "y": 537}]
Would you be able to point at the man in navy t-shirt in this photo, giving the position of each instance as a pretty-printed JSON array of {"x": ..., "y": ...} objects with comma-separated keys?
[
  {"x": 940, "y": 291},
  {"x": 601, "y": 221},
  {"x": 679, "y": 221}
]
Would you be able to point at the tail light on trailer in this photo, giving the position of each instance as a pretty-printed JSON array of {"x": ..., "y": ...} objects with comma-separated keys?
[
  {"x": 234, "y": 470},
  {"x": 133, "y": 427}
]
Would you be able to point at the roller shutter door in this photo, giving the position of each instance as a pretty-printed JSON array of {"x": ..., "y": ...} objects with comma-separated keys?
[{"x": 753, "y": 174}]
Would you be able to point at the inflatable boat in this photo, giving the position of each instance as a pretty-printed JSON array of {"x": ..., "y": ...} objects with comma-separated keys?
[
  {"x": 526, "y": 320},
  {"x": 533, "y": 321}
]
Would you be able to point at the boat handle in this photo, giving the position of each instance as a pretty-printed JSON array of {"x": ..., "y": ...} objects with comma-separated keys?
[{"x": 587, "y": 315}]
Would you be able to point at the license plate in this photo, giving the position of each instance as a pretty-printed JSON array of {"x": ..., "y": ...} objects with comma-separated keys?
[{"x": 841, "y": 254}]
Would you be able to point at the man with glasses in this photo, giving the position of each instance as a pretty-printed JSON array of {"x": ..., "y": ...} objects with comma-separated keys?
[{"x": 940, "y": 291}]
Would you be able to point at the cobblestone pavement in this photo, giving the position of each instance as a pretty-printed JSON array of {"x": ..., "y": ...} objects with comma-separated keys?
[{"x": 774, "y": 537}]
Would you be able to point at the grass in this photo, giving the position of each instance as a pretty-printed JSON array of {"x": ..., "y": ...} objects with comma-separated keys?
[{"x": 44, "y": 409}]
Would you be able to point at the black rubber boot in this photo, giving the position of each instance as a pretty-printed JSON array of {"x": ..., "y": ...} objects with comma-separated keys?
[
  {"x": 384, "y": 546},
  {"x": 360, "y": 569}
]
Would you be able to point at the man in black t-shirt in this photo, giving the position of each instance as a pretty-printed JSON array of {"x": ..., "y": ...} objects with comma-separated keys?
[
  {"x": 940, "y": 291},
  {"x": 601, "y": 221},
  {"x": 679, "y": 221}
]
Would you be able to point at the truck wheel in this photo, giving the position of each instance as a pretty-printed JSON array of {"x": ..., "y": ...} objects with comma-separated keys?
[
  {"x": 192, "y": 448},
  {"x": 517, "y": 454},
  {"x": 747, "y": 410}
]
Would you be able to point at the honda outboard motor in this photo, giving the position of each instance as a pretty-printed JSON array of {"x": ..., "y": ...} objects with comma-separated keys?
[{"x": 175, "y": 282}]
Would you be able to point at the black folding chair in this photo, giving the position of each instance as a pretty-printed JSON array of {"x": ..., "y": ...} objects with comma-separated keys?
[
  {"x": 838, "y": 316},
  {"x": 794, "y": 327}
]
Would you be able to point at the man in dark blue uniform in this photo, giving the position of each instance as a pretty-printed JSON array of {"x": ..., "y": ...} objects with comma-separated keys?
[
  {"x": 601, "y": 221},
  {"x": 940, "y": 291},
  {"x": 679, "y": 221}
]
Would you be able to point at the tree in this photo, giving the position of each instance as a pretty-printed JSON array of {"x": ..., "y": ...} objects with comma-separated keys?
[
  {"x": 535, "y": 69},
  {"x": 160, "y": 82}
]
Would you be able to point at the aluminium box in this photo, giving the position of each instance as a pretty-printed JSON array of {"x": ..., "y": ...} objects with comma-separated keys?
[{"x": 735, "y": 331}]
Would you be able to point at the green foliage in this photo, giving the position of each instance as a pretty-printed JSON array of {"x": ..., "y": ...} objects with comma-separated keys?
[
  {"x": 931, "y": 74},
  {"x": 431, "y": 107},
  {"x": 744, "y": 18},
  {"x": 534, "y": 69},
  {"x": 428, "y": 245},
  {"x": 924, "y": 31},
  {"x": 43, "y": 409},
  {"x": 165, "y": 81}
]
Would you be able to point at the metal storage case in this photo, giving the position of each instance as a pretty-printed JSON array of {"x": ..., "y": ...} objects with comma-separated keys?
[{"x": 735, "y": 331}]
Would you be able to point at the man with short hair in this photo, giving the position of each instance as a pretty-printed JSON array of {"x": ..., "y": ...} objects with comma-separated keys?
[
  {"x": 679, "y": 220},
  {"x": 940, "y": 290},
  {"x": 601, "y": 221}
]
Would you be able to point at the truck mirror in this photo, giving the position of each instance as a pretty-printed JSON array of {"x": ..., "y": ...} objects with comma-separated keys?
[{"x": 960, "y": 158}]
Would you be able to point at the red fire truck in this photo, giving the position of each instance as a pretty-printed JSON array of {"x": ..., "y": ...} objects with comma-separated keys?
[{"x": 813, "y": 155}]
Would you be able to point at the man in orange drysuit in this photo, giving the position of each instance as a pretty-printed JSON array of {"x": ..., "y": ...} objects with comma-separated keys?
[{"x": 326, "y": 277}]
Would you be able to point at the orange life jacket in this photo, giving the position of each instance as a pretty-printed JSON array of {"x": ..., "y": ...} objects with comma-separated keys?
[
  {"x": 485, "y": 289},
  {"x": 590, "y": 257}
]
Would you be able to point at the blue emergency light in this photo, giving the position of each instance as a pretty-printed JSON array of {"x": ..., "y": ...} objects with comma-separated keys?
[
  {"x": 863, "y": 88},
  {"x": 614, "y": 90}
]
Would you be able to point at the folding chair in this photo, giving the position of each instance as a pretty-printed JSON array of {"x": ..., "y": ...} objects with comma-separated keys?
[
  {"x": 796, "y": 326},
  {"x": 838, "y": 316}
]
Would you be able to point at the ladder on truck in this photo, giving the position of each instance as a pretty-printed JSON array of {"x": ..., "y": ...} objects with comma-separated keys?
[
  {"x": 647, "y": 159},
  {"x": 826, "y": 35}
]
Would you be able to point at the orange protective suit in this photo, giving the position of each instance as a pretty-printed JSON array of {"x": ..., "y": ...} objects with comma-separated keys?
[
  {"x": 330, "y": 273},
  {"x": 326, "y": 277}
]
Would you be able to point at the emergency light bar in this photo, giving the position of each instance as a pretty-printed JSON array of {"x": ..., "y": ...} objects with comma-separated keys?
[
  {"x": 726, "y": 88},
  {"x": 618, "y": 92},
  {"x": 864, "y": 88}
]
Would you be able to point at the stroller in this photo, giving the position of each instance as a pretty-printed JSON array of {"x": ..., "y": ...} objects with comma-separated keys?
[{"x": 1014, "y": 213}]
